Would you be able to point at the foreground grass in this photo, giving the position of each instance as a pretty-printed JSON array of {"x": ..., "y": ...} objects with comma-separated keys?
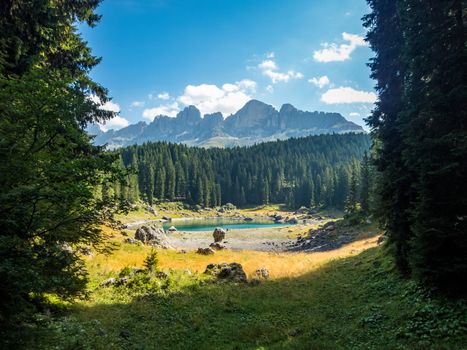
[{"x": 354, "y": 303}]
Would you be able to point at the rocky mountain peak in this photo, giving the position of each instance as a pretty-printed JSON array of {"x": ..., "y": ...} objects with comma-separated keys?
[
  {"x": 255, "y": 122},
  {"x": 287, "y": 108},
  {"x": 190, "y": 115}
]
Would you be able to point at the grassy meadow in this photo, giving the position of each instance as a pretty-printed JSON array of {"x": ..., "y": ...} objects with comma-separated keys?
[
  {"x": 348, "y": 298},
  {"x": 358, "y": 302}
]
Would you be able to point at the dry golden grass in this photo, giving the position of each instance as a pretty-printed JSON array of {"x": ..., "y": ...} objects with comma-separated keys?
[{"x": 279, "y": 264}]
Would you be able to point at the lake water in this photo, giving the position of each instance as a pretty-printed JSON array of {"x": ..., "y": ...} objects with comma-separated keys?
[{"x": 211, "y": 224}]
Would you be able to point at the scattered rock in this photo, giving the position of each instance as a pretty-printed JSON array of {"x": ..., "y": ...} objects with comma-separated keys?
[
  {"x": 232, "y": 272},
  {"x": 248, "y": 219},
  {"x": 107, "y": 283},
  {"x": 172, "y": 229},
  {"x": 67, "y": 248},
  {"x": 151, "y": 210},
  {"x": 162, "y": 275},
  {"x": 85, "y": 250},
  {"x": 262, "y": 273},
  {"x": 131, "y": 240},
  {"x": 278, "y": 217},
  {"x": 293, "y": 221},
  {"x": 218, "y": 234},
  {"x": 166, "y": 218},
  {"x": 217, "y": 246},
  {"x": 114, "y": 282},
  {"x": 152, "y": 235},
  {"x": 205, "y": 251},
  {"x": 382, "y": 239},
  {"x": 303, "y": 210}
]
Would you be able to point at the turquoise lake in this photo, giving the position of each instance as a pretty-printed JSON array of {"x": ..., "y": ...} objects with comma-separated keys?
[{"x": 227, "y": 224}]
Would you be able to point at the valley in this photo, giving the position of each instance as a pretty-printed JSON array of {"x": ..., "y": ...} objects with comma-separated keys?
[{"x": 306, "y": 299}]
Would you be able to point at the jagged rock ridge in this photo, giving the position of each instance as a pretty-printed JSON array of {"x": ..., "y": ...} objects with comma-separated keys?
[{"x": 255, "y": 122}]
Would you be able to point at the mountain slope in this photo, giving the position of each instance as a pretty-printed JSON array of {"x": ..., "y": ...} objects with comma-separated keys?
[{"x": 255, "y": 122}]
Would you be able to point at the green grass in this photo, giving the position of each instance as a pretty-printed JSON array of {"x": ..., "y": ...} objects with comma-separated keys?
[{"x": 354, "y": 303}]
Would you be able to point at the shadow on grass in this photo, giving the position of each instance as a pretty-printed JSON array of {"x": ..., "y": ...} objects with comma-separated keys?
[{"x": 357, "y": 302}]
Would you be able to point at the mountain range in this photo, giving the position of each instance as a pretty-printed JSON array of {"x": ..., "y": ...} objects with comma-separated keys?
[{"x": 253, "y": 123}]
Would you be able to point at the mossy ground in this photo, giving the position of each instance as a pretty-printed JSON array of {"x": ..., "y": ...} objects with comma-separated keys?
[
  {"x": 358, "y": 302},
  {"x": 349, "y": 298}
]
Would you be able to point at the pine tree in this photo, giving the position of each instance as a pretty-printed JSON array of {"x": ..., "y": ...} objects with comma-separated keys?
[
  {"x": 49, "y": 169},
  {"x": 365, "y": 178},
  {"x": 433, "y": 121},
  {"x": 351, "y": 203},
  {"x": 385, "y": 35}
]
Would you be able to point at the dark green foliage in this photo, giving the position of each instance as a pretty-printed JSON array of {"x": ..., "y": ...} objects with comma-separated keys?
[
  {"x": 393, "y": 187},
  {"x": 420, "y": 134},
  {"x": 49, "y": 170},
  {"x": 151, "y": 263},
  {"x": 311, "y": 171},
  {"x": 351, "y": 203},
  {"x": 365, "y": 184}
]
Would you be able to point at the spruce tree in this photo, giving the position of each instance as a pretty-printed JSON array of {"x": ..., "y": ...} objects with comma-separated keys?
[
  {"x": 365, "y": 178},
  {"x": 49, "y": 169},
  {"x": 385, "y": 35}
]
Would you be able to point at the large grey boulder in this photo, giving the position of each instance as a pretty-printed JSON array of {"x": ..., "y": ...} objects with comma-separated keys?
[
  {"x": 152, "y": 235},
  {"x": 232, "y": 272},
  {"x": 218, "y": 234}
]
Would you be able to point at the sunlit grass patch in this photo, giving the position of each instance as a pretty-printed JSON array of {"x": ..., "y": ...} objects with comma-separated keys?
[{"x": 278, "y": 264}]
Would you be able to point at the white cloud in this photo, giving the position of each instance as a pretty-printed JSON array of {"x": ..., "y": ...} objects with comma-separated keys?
[
  {"x": 320, "y": 81},
  {"x": 247, "y": 84},
  {"x": 163, "y": 96},
  {"x": 111, "y": 106},
  {"x": 354, "y": 115},
  {"x": 348, "y": 95},
  {"x": 115, "y": 123},
  {"x": 268, "y": 64},
  {"x": 137, "y": 104},
  {"x": 210, "y": 98},
  {"x": 270, "y": 69},
  {"x": 108, "y": 106},
  {"x": 270, "y": 89},
  {"x": 332, "y": 52},
  {"x": 270, "y": 55},
  {"x": 170, "y": 110}
]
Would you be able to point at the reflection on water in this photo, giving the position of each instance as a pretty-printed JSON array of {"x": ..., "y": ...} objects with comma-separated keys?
[{"x": 225, "y": 223}]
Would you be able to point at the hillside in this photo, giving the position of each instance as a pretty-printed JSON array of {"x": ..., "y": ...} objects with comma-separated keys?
[
  {"x": 255, "y": 122},
  {"x": 309, "y": 171}
]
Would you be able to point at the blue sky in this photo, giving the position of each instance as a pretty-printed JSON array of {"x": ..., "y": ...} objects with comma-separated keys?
[{"x": 161, "y": 55}]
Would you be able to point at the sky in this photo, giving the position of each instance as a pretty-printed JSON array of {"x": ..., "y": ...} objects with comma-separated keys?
[{"x": 159, "y": 56}]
